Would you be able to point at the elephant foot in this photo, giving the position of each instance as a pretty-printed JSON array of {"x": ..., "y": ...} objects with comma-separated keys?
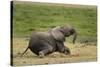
[
  {"x": 41, "y": 54},
  {"x": 67, "y": 52}
]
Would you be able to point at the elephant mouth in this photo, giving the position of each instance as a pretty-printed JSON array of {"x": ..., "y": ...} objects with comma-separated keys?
[{"x": 66, "y": 35}]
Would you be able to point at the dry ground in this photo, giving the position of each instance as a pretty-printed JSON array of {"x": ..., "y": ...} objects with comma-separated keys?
[{"x": 79, "y": 53}]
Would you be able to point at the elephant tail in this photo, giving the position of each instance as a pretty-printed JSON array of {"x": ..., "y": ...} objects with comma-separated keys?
[{"x": 24, "y": 51}]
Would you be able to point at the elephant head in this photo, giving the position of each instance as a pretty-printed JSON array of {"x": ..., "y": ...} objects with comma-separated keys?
[{"x": 60, "y": 32}]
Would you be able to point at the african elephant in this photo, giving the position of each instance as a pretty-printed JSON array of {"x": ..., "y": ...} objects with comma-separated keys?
[{"x": 43, "y": 43}]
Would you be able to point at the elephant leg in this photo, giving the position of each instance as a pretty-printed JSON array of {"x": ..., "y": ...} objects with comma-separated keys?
[
  {"x": 67, "y": 51},
  {"x": 42, "y": 53},
  {"x": 60, "y": 47}
]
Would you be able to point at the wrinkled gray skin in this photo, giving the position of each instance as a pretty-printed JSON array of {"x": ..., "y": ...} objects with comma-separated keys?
[{"x": 43, "y": 43}]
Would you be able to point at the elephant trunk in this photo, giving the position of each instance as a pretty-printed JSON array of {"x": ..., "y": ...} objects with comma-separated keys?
[{"x": 74, "y": 37}]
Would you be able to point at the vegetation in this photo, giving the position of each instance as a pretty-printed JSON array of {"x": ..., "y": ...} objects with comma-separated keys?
[{"x": 29, "y": 17}]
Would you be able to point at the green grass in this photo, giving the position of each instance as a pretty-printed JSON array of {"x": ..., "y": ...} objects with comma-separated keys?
[{"x": 29, "y": 17}]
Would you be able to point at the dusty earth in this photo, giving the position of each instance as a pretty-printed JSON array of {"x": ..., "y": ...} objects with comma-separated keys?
[{"x": 79, "y": 53}]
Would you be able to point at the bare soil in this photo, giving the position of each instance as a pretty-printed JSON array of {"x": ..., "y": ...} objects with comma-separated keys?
[{"x": 79, "y": 53}]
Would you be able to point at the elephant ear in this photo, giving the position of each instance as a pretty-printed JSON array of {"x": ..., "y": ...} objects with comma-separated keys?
[{"x": 57, "y": 34}]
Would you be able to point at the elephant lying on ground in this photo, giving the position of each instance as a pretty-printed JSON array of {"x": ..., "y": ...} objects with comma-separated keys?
[{"x": 43, "y": 43}]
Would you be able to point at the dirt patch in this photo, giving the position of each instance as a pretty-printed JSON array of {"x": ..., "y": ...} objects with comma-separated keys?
[{"x": 78, "y": 54}]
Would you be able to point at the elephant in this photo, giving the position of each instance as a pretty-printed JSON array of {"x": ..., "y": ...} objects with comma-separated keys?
[{"x": 43, "y": 43}]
